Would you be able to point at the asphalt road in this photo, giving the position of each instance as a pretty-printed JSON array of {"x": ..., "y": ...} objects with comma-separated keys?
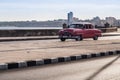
[
  {"x": 106, "y": 68},
  {"x": 41, "y": 49}
]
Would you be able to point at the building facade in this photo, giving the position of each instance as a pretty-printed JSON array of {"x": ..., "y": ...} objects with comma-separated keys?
[{"x": 70, "y": 18}]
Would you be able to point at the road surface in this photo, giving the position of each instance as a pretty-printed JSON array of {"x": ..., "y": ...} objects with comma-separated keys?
[
  {"x": 106, "y": 68},
  {"x": 41, "y": 49}
]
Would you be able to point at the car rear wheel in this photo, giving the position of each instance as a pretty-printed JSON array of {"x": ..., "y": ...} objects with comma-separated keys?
[
  {"x": 79, "y": 38},
  {"x": 62, "y": 39},
  {"x": 95, "y": 38}
]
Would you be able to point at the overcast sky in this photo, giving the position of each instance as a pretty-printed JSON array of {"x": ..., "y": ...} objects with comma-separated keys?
[{"x": 41, "y": 10}]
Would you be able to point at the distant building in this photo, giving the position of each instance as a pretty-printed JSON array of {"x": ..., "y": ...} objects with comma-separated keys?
[
  {"x": 111, "y": 20},
  {"x": 96, "y": 21},
  {"x": 70, "y": 18},
  {"x": 75, "y": 19}
]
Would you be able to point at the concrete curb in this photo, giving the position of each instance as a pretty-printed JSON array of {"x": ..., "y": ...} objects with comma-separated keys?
[{"x": 30, "y": 63}]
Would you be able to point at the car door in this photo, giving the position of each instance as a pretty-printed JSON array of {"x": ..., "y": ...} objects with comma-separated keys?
[
  {"x": 91, "y": 31},
  {"x": 86, "y": 31}
]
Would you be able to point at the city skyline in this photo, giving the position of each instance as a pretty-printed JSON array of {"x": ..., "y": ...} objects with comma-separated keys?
[{"x": 22, "y": 10}]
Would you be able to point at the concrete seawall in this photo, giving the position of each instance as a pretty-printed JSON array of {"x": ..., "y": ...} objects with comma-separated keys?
[
  {"x": 39, "y": 32},
  {"x": 109, "y": 29},
  {"x": 16, "y": 33}
]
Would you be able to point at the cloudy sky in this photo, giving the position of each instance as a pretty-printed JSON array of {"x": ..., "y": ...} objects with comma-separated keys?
[{"x": 41, "y": 10}]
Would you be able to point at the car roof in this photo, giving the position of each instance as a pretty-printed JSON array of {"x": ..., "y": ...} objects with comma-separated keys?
[{"x": 81, "y": 23}]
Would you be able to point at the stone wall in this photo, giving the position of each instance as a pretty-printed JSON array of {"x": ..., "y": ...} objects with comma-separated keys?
[
  {"x": 18, "y": 33},
  {"x": 48, "y": 32},
  {"x": 104, "y": 30}
]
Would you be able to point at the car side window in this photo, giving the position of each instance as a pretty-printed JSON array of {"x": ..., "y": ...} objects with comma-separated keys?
[
  {"x": 77, "y": 26},
  {"x": 85, "y": 27},
  {"x": 91, "y": 27},
  {"x": 81, "y": 26}
]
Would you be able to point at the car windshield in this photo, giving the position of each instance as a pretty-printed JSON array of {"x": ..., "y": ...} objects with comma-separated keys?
[{"x": 76, "y": 26}]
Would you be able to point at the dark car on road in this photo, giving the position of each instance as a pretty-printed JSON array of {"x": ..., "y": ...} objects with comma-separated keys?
[{"x": 79, "y": 31}]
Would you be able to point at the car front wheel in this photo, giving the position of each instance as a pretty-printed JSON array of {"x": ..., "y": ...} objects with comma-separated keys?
[
  {"x": 95, "y": 38},
  {"x": 62, "y": 39}
]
